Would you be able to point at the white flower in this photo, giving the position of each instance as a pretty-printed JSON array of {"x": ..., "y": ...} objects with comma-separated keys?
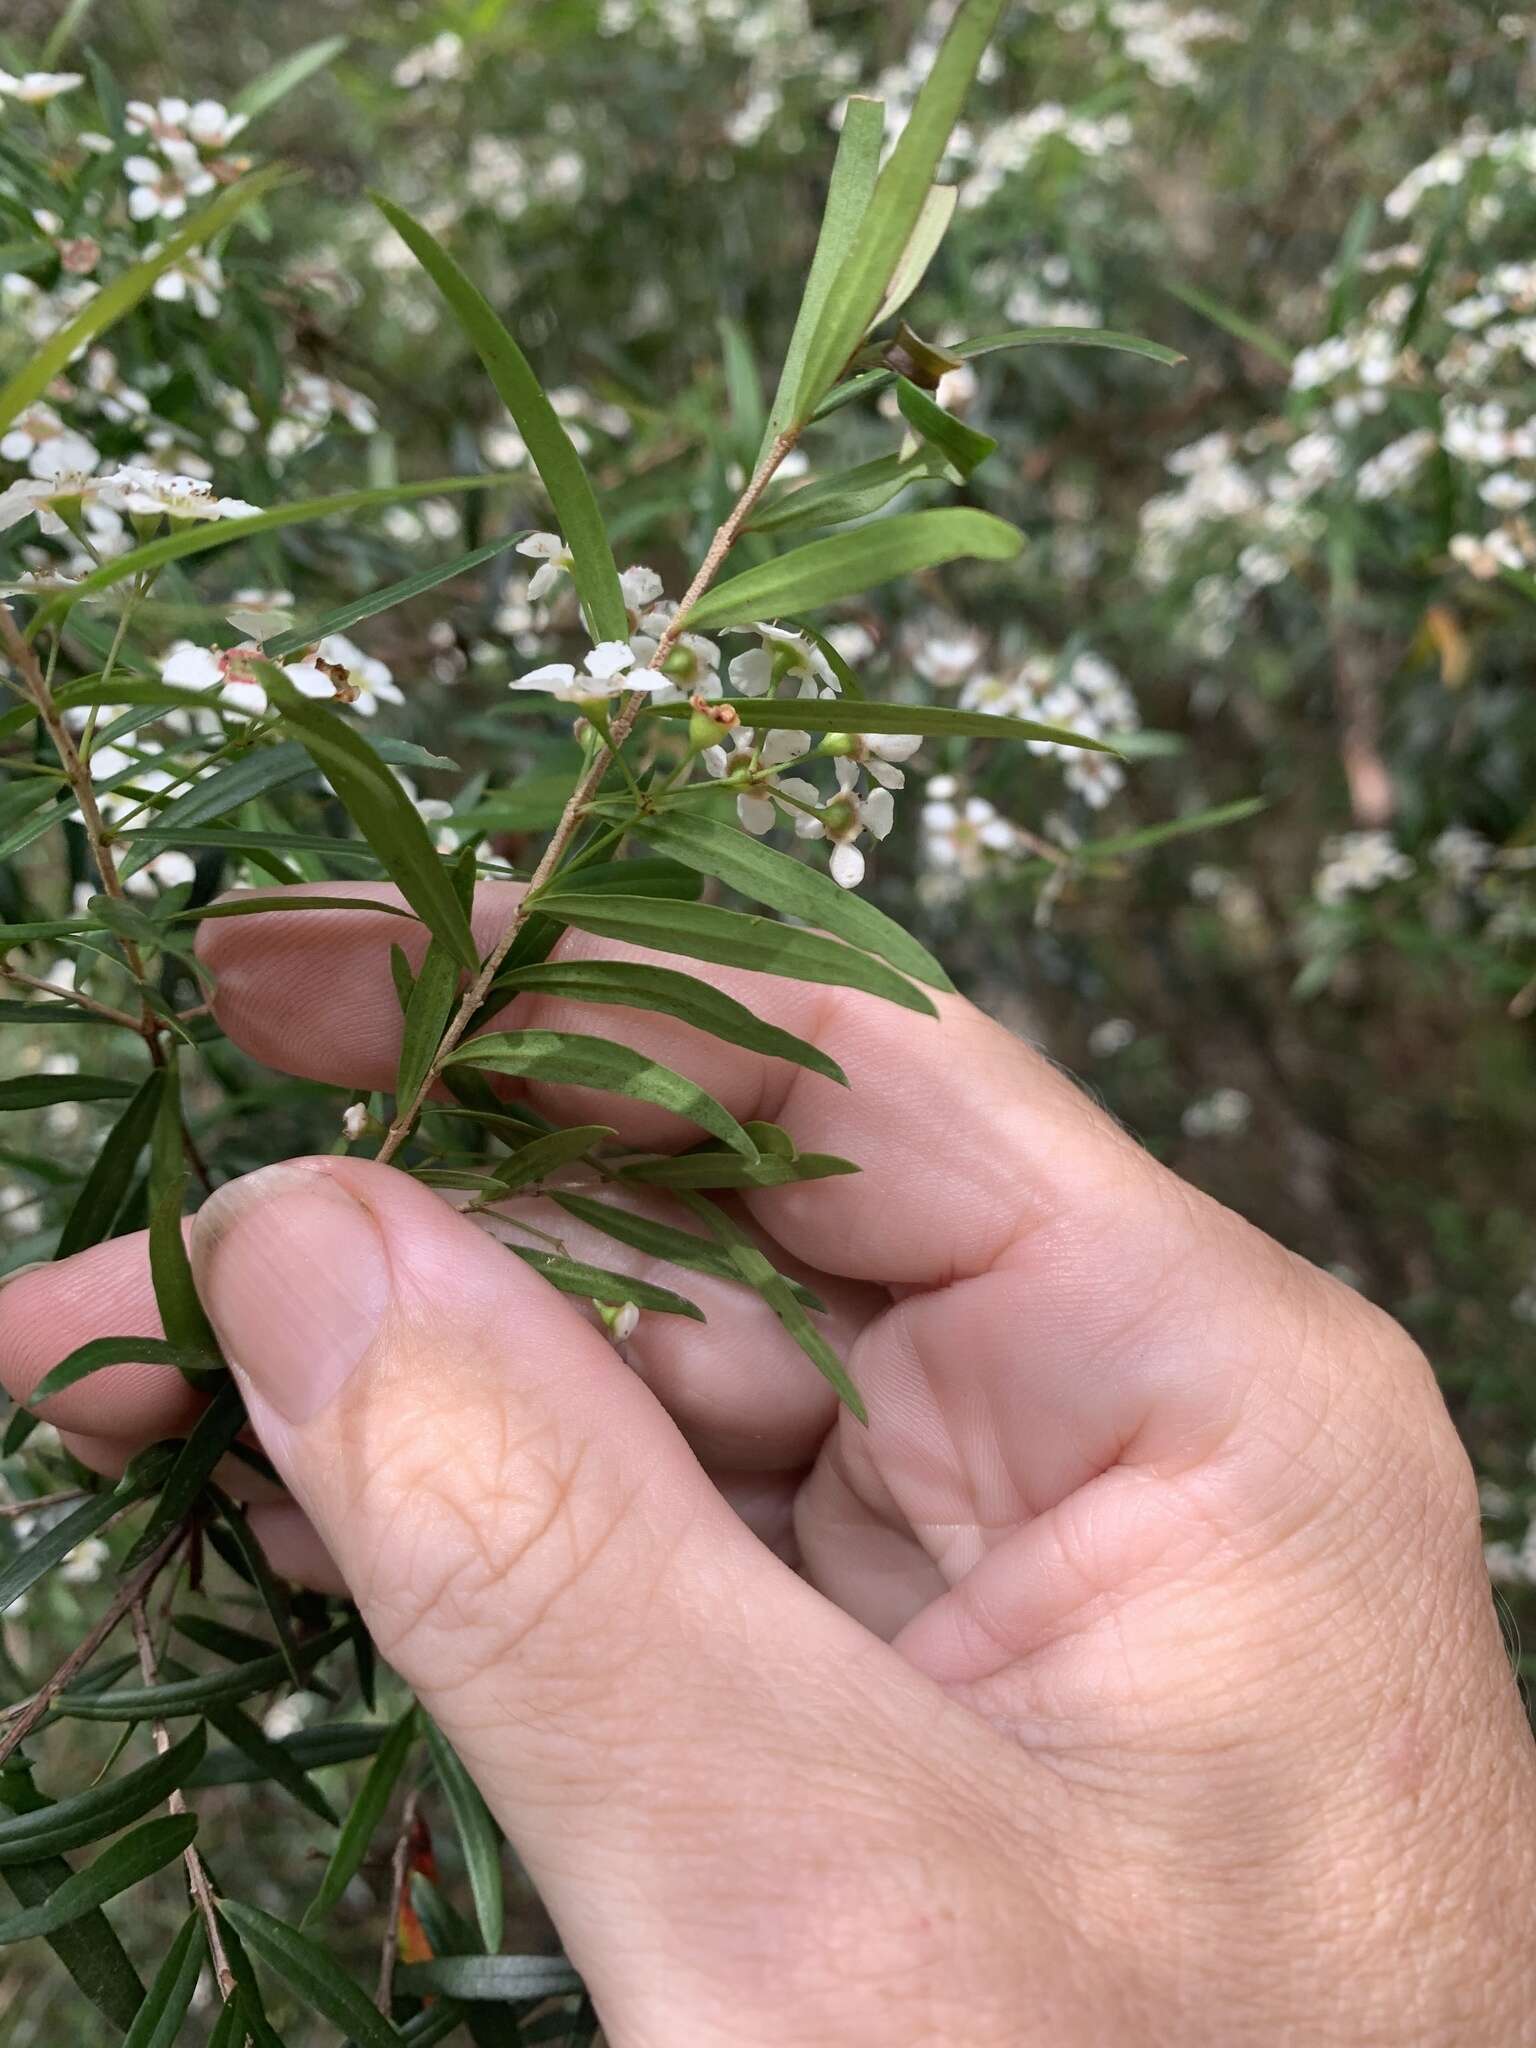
[
  {"x": 222, "y": 669},
  {"x": 946, "y": 658},
  {"x": 607, "y": 671},
  {"x": 43, "y": 495},
  {"x": 641, "y": 588},
  {"x": 959, "y": 834},
  {"x": 198, "y": 278},
  {"x": 84, "y": 1564},
  {"x": 1462, "y": 855},
  {"x": 1506, "y": 492},
  {"x": 844, "y": 820},
  {"x": 162, "y": 189},
  {"x": 340, "y": 668},
  {"x": 36, "y": 88},
  {"x": 29, "y": 430},
  {"x": 553, "y": 557},
  {"x": 1482, "y": 555},
  {"x": 1224, "y": 1113},
  {"x": 758, "y": 804},
  {"x": 1355, "y": 863},
  {"x": 147, "y": 491},
  {"x": 118, "y": 401},
  {"x": 877, "y": 754},
  {"x": 212, "y": 126},
  {"x": 1093, "y": 777},
  {"x": 785, "y": 665},
  {"x": 67, "y": 454}
]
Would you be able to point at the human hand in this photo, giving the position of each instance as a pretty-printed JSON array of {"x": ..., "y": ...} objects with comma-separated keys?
[{"x": 1139, "y": 1682}]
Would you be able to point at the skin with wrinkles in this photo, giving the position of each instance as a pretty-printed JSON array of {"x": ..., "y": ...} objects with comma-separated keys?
[{"x": 1132, "y": 1677}]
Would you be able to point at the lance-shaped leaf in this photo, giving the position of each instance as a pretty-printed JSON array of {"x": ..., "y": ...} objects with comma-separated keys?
[
  {"x": 531, "y": 1162},
  {"x": 245, "y": 1553},
  {"x": 269, "y": 1760},
  {"x": 788, "y": 885},
  {"x": 672, "y": 994},
  {"x": 868, "y": 714},
  {"x": 361, "y": 1823},
  {"x": 896, "y": 205},
  {"x": 932, "y": 225},
  {"x": 346, "y": 616},
  {"x": 433, "y": 994},
  {"x": 479, "y": 1836},
  {"x": 54, "y": 1545},
  {"x": 73, "y": 1823},
  {"x": 597, "y": 1283},
  {"x": 961, "y": 446},
  {"x": 701, "y": 931},
  {"x": 88, "y": 1947},
  {"x": 210, "y": 1438},
  {"x": 187, "y": 539},
  {"x": 759, "y": 1272},
  {"x": 380, "y": 809},
  {"x": 271, "y": 86},
  {"x": 124, "y": 292},
  {"x": 110, "y": 1181},
  {"x": 306, "y": 1968},
  {"x": 871, "y": 381},
  {"x": 193, "y": 1695},
  {"x": 850, "y": 493},
  {"x": 573, "y": 1060},
  {"x": 41, "y": 1091},
  {"x": 169, "y": 1999},
  {"x": 500, "y": 1980},
  {"x": 662, "y": 1240},
  {"x": 181, "y": 1313},
  {"x": 102, "y": 1352},
  {"x": 844, "y": 564},
  {"x": 705, "y": 1169},
  {"x": 570, "y": 493},
  {"x": 853, "y": 180},
  {"x": 127, "y": 1862},
  {"x": 311, "y": 1749}
]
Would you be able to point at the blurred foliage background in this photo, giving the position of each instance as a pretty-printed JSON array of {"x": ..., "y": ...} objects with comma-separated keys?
[{"x": 1303, "y": 557}]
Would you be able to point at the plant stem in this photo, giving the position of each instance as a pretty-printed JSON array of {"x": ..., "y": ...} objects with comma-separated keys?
[
  {"x": 399, "y": 1879},
  {"x": 620, "y": 728},
  {"x": 11, "y": 1508},
  {"x": 134, "y": 1589},
  {"x": 197, "y": 1872},
  {"x": 104, "y": 1011}
]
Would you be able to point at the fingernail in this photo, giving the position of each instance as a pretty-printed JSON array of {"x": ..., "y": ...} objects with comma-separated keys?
[{"x": 294, "y": 1275}]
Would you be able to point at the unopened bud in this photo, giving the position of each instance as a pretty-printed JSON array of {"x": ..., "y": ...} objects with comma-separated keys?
[
  {"x": 355, "y": 1122},
  {"x": 838, "y": 743},
  {"x": 622, "y": 1318}
]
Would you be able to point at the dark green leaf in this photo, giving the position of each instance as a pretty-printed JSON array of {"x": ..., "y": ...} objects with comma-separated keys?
[
  {"x": 306, "y": 1968},
  {"x": 962, "y": 446},
  {"x": 758, "y": 1272},
  {"x": 88, "y": 1947},
  {"x": 844, "y": 564},
  {"x": 45, "y": 1551},
  {"x": 254, "y": 1560},
  {"x": 672, "y": 994},
  {"x": 661, "y": 1240},
  {"x": 72, "y": 1823},
  {"x": 558, "y": 464},
  {"x": 269, "y": 1760},
  {"x": 853, "y": 180},
  {"x": 109, "y": 1183},
  {"x": 380, "y": 809},
  {"x": 789, "y": 886},
  {"x": 479, "y": 1836},
  {"x": 701, "y": 931},
  {"x": 849, "y": 493},
  {"x": 571, "y": 1059},
  {"x": 597, "y": 1283},
  {"x": 127, "y": 1862},
  {"x": 40, "y": 1091},
  {"x": 541, "y": 1156},
  {"x": 433, "y": 995},
  {"x": 503, "y": 1980},
  {"x": 169, "y": 1998},
  {"x": 311, "y": 1749},
  {"x": 872, "y": 381},
  {"x": 193, "y": 1695},
  {"x": 866, "y": 714},
  {"x": 181, "y": 1313},
  {"x": 210, "y": 1438},
  {"x": 725, "y": 1170},
  {"x": 102, "y": 1352},
  {"x": 361, "y": 1823}
]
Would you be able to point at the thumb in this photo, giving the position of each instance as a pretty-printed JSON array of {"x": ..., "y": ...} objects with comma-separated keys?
[{"x": 634, "y": 1681}]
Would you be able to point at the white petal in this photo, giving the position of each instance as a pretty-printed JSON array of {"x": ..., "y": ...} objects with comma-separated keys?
[
  {"x": 609, "y": 658},
  {"x": 756, "y": 813},
  {"x": 193, "y": 668},
  {"x": 878, "y": 812},
  {"x": 752, "y": 673},
  {"x": 554, "y": 675},
  {"x": 541, "y": 547},
  {"x": 885, "y": 775},
  {"x": 847, "y": 866}
]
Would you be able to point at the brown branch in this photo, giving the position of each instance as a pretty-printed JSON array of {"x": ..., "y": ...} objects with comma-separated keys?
[
  {"x": 9, "y": 1509},
  {"x": 197, "y": 1871},
  {"x": 399, "y": 1878},
  {"x": 619, "y": 730},
  {"x": 104, "y": 1011},
  {"x": 30, "y": 1712}
]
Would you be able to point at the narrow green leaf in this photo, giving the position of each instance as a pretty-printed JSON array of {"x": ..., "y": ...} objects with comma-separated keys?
[
  {"x": 661, "y": 1240},
  {"x": 40, "y": 1091},
  {"x": 571, "y": 1059},
  {"x": 311, "y": 1749},
  {"x": 380, "y": 809},
  {"x": 531, "y": 1162},
  {"x": 361, "y": 1823},
  {"x": 306, "y": 1968},
  {"x": 502, "y": 1980},
  {"x": 88, "y": 1947},
  {"x": 789, "y": 886},
  {"x": 124, "y": 292},
  {"x": 127, "y": 1862},
  {"x": 871, "y": 381},
  {"x": 850, "y": 493},
  {"x": 598, "y": 1283},
  {"x": 570, "y": 493},
  {"x": 1173, "y": 828},
  {"x": 853, "y": 180},
  {"x": 346, "y": 616},
  {"x": 169, "y": 1998},
  {"x": 1232, "y": 321},
  {"x": 479, "y": 1836},
  {"x": 962, "y": 446},
  {"x": 866, "y": 714},
  {"x": 758, "y": 1271},
  {"x": 73, "y": 1823},
  {"x": 109, "y": 1182},
  {"x": 55, "y": 1543},
  {"x": 181, "y": 1313},
  {"x": 287, "y": 76},
  {"x": 193, "y": 1695},
  {"x": 725, "y": 1170},
  {"x": 270, "y": 1760},
  {"x": 102, "y": 1352},
  {"x": 433, "y": 995},
  {"x": 235, "y": 1645},
  {"x": 844, "y": 564},
  {"x": 896, "y": 205},
  {"x": 701, "y": 931},
  {"x": 662, "y": 989},
  {"x": 210, "y": 1438},
  {"x": 932, "y": 225},
  {"x": 254, "y": 1560}
]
